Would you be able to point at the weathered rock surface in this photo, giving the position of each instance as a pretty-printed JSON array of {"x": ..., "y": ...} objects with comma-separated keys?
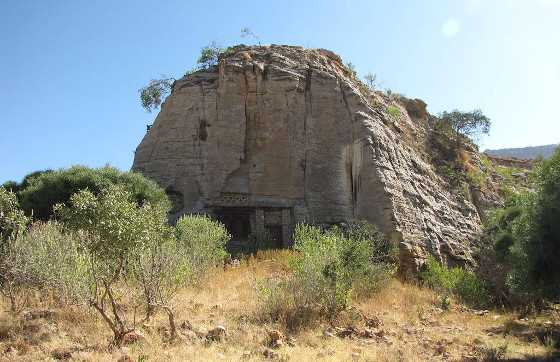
[{"x": 272, "y": 136}]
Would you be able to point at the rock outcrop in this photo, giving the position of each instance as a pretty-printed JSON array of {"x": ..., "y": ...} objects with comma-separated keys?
[{"x": 272, "y": 136}]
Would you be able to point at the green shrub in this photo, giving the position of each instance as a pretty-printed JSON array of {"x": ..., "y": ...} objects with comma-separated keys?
[
  {"x": 534, "y": 268},
  {"x": 333, "y": 267},
  {"x": 260, "y": 239},
  {"x": 12, "y": 218},
  {"x": 209, "y": 55},
  {"x": 113, "y": 228},
  {"x": 51, "y": 188},
  {"x": 393, "y": 111},
  {"x": 378, "y": 249},
  {"x": 46, "y": 257},
  {"x": 463, "y": 284},
  {"x": 203, "y": 239}
]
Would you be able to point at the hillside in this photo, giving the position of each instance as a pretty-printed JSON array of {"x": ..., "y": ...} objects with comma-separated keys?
[
  {"x": 524, "y": 152},
  {"x": 401, "y": 322}
]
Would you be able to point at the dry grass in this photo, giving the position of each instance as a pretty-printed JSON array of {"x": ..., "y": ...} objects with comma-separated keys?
[{"x": 414, "y": 327}]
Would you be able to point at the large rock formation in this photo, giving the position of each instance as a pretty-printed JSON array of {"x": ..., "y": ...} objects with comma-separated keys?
[{"x": 272, "y": 136}]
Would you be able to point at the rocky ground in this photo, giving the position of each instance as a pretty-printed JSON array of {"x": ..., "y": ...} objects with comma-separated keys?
[{"x": 222, "y": 319}]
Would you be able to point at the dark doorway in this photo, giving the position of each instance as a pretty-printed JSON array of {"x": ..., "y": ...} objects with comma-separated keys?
[
  {"x": 236, "y": 221},
  {"x": 276, "y": 233}
]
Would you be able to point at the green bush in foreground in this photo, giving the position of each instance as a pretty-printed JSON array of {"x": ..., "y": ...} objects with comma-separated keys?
[
  {"x": 12, "y": 219},
  {"x": 534, "y": 256},
  {"x": 334, "y": 267},
  {"x": 45, "y": 257},
  {"x": 51, "y": 188},
  {"x": 204, "y": 239},
  {"x": 181, "y": 257},
  {"x": 463, "y": 284}
]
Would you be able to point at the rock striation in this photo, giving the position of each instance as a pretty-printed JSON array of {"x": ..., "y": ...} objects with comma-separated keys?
[{"x": 272, "y": 136}]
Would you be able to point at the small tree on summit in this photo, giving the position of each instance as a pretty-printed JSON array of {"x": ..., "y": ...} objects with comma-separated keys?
[
  {"x": 470, "y": 124},
  {"x": 209, "y": 55}
]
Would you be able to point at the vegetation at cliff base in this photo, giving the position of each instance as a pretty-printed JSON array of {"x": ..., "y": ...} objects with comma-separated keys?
[
  {"x": 40, "y": 192},
  {"x": 104, "y": 249},
  {"x": 524, "y": 238},
  {"x": 334, "y": 267}
]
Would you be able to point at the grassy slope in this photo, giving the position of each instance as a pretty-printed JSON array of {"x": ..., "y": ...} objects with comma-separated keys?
[{"x": 415, "y": 328}]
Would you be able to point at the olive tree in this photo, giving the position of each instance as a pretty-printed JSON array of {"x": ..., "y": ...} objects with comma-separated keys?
[
  {"x": 113, "y": 227},
  {"x": 181, "y": 257},
  {"x": 459, "y": 124}
]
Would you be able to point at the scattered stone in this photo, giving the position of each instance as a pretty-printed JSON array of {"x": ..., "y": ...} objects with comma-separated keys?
[
  {"x": 190, "y": 335},
  {"x": 380, "y": 333},
  {"x": 231, "y": 262},
  {"x": 246, "y": 354},
  {"x": 131, "y": 337},
  {"x": 365, "y": 333},
  {"x": 440, "y": 349},
  {"x": 187, "y": 325},
  {"x": 61, "y": 353},
  {"x": 201, "y": 332},
  {"x": 277, "y": 344},
  {"x": 373, "y": 322},
  {"x": 274, "y": 334},
  {"x": 164, "y": 331},
  {"x": 217, "y": 307},
  {"x": 221, "y": 356},
  {"x": 125, "y": 358},
  {"x": 409, "y": 330},
  {"x": 343, "y": 332},
  {"x": 37, "y": 314},
  {"x": 480, "y": 312},
  {"x": 290, "y": 342},
  {"x": 386, "y": 340},
  {"x": 327, "y": 334},
  {"x": 270, "y": 354},
  {"x": 217, "y": 333}
]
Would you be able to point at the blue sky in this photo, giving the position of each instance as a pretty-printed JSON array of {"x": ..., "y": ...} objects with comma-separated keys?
[{"x": 70, "y": 70}]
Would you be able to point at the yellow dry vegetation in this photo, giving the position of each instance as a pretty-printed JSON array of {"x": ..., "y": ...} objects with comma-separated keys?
[{"x": 404, "y": 322}]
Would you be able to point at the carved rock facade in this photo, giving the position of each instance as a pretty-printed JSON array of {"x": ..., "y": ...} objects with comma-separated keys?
[{"x": 272, "y": 136}]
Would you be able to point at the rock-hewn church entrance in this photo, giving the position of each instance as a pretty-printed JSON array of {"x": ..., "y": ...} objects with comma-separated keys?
[{"x": 241, "y": 221}]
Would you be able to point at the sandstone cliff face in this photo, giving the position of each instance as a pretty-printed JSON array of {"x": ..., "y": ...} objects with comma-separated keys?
[{"x": 272, "y": 136}]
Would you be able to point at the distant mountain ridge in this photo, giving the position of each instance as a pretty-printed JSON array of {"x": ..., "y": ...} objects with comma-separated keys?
[{"x": 524, "y": 152}]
